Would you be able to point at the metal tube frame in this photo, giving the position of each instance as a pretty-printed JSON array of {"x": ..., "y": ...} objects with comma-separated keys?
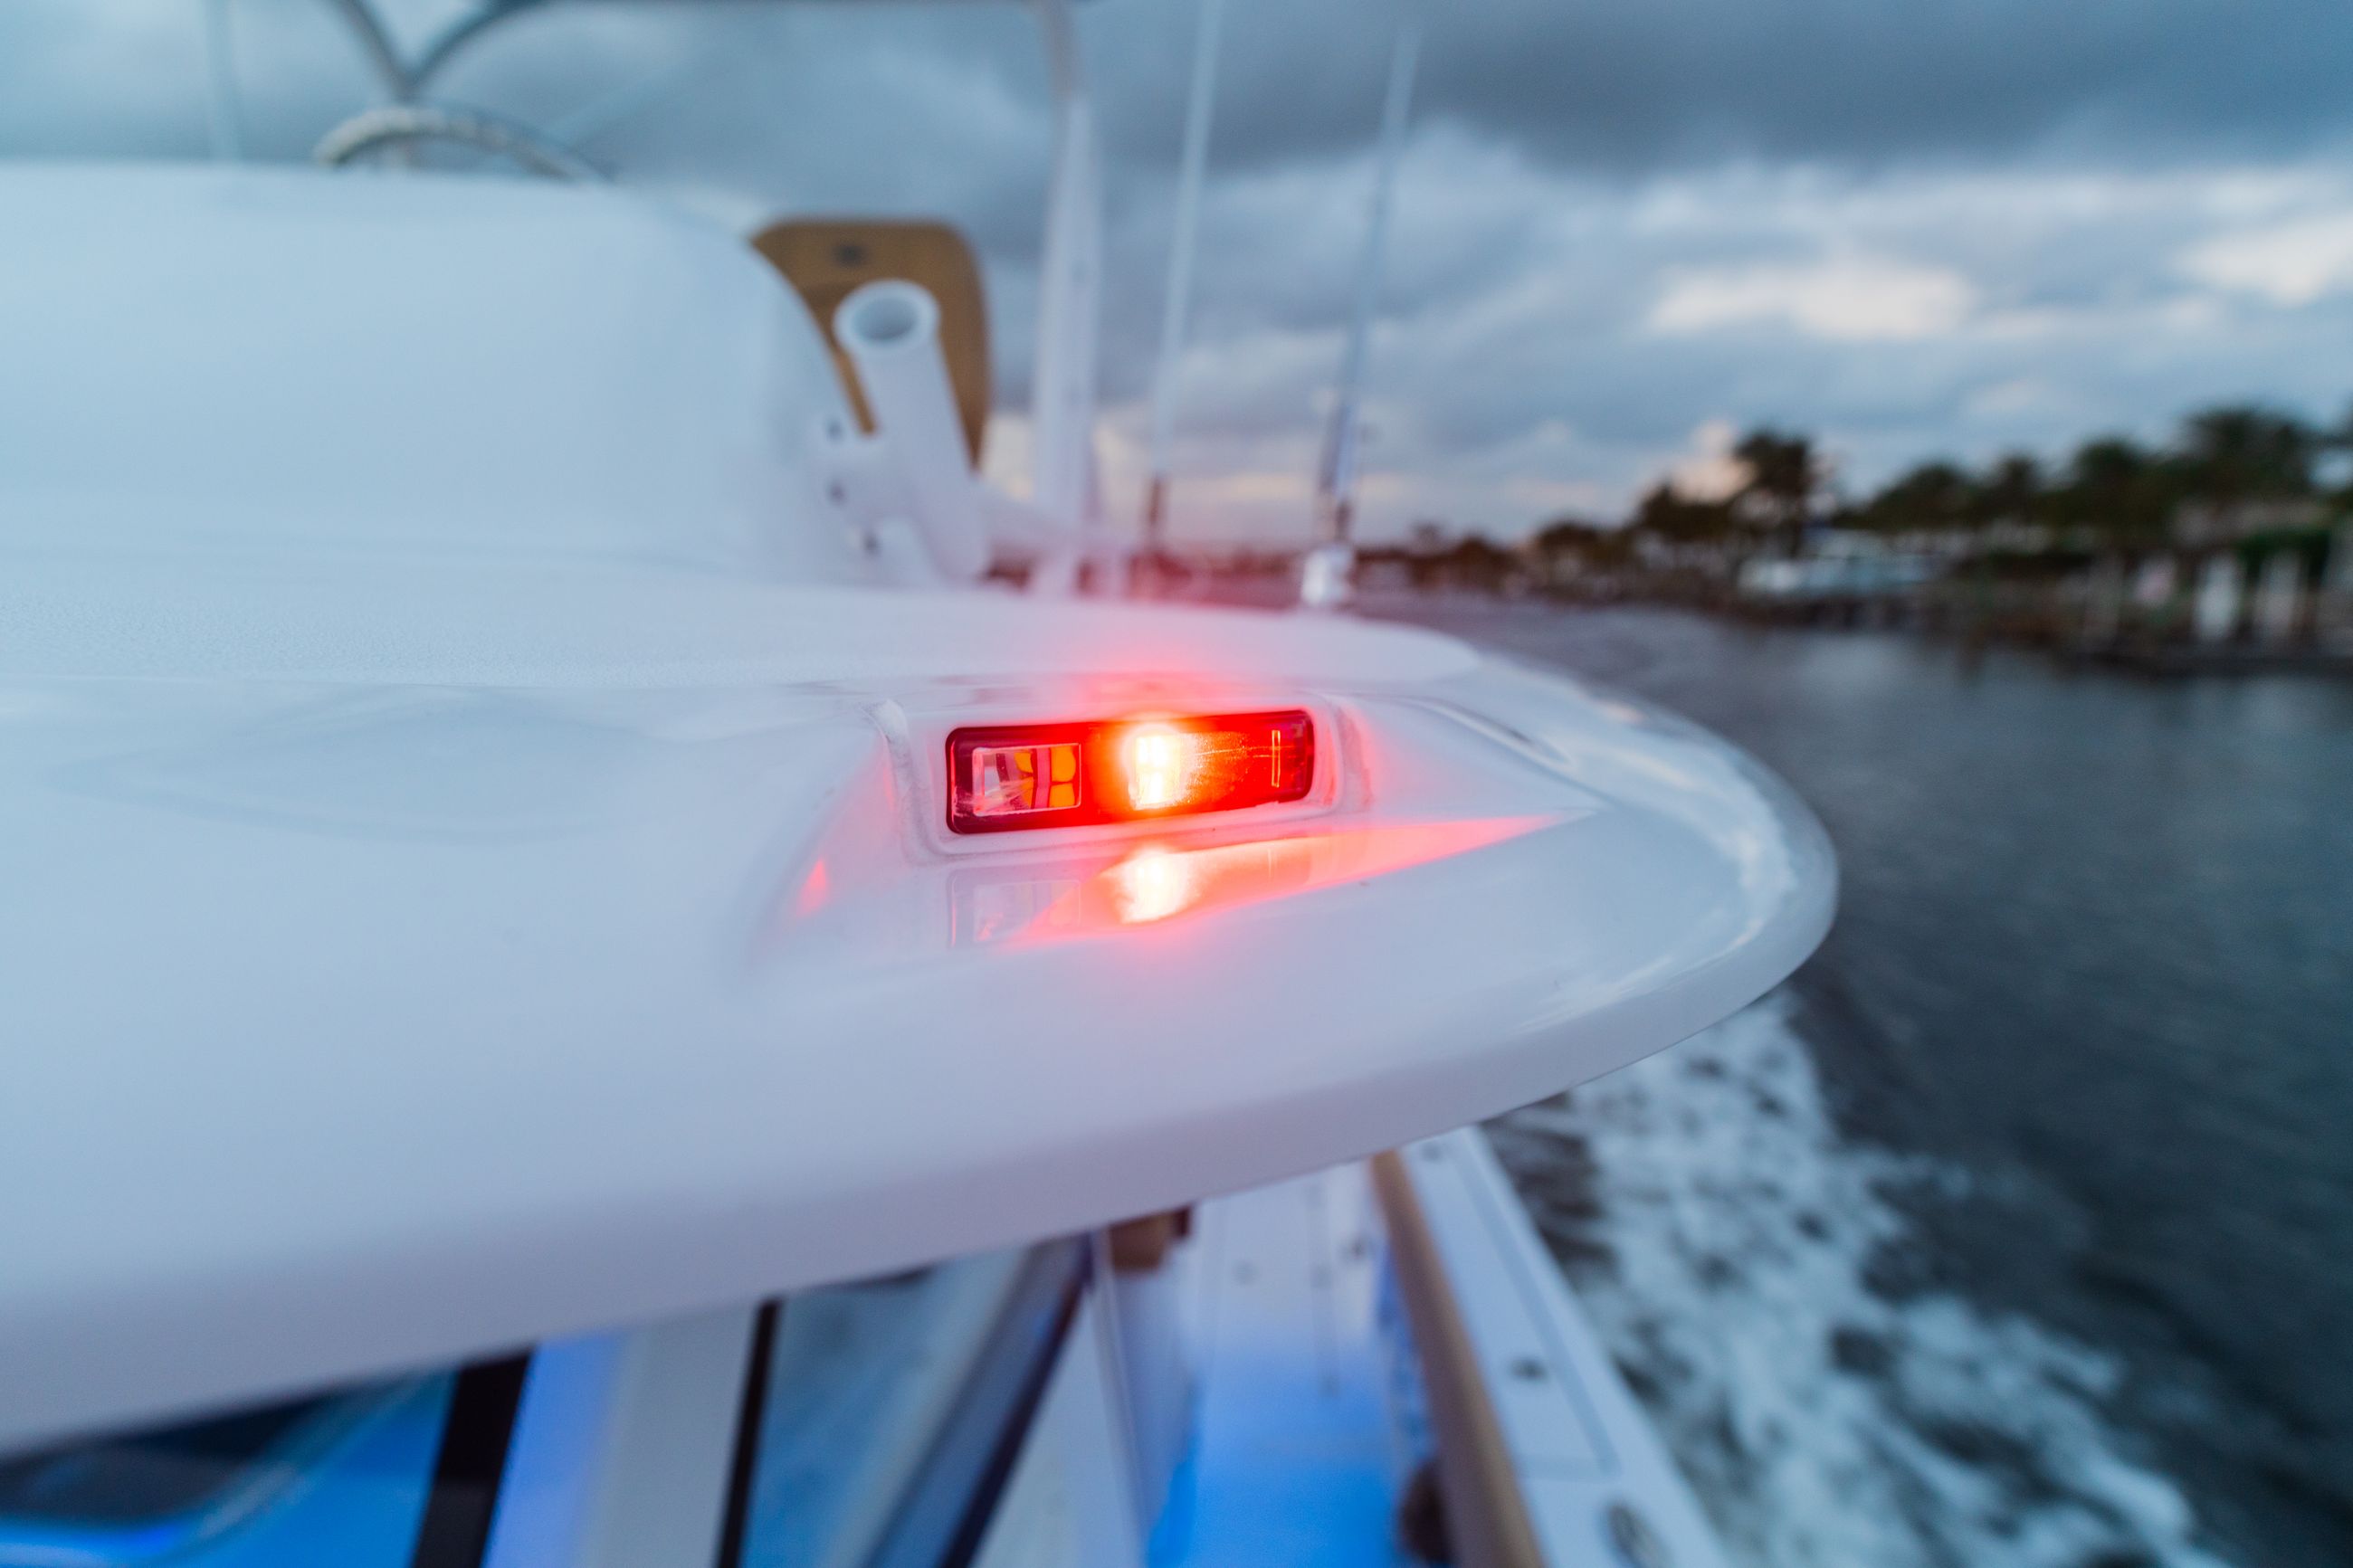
[
  {"x": 405, "y": 82},
  {"x": 1063, "y": 391}
]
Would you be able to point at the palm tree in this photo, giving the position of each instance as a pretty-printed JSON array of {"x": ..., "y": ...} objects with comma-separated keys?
[
  {"x": 2121, "y": 490},
  {"x": 1667, "y": 513},
  {"x": 1575, "y": 539},
  {"x": 2242, "y": 452},
  {"x": 1931, "y": 497},
  {"x": 2011, "y": 490},
  {"x": 1783, "y": 476}
]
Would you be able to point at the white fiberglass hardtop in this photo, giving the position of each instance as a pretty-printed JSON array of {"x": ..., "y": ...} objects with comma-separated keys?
[{"x": 475, "y": 796}]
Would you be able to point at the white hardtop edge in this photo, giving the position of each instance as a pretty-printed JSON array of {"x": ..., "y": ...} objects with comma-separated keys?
[
  {"x": 332, "y": 620},
  {"x": 360, "y": 1028}
]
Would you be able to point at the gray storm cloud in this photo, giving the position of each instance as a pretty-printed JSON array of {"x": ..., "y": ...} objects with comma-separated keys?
[{"x": 1623, "y": 230}]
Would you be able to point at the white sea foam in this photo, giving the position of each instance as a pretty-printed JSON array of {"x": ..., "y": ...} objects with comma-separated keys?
[{"x": 1824, "y": 1424}]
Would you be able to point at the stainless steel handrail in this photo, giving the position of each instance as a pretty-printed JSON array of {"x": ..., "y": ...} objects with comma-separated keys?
[{"x": 408, "y": 124}]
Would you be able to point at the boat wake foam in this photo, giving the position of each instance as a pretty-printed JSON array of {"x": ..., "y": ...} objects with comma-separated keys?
[{"x": 1723, "y": 1235}]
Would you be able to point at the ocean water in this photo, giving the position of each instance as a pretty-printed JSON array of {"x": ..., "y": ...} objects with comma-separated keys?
[
  {"x": 2018, "y": 1227},
  {"x": 1724, "y": 1233}
]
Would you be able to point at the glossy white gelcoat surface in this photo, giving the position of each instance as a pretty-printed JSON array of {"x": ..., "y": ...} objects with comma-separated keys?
[
  {"x": 412, "y": 951},
  {"x": 252, "y": 359},
  {"x": 386, "y": 1017}
]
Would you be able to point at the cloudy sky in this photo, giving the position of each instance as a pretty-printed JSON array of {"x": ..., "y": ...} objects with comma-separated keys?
[{"x": 1625, "y": 230}]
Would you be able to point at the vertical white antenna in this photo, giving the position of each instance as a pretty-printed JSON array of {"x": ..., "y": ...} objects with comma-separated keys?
[
  {"x": 1062, "y": 397},
  {"x": 1199, "y": 108},
  {"x": 1335, "y": 487},
  {"x": 224, "y": 119}
]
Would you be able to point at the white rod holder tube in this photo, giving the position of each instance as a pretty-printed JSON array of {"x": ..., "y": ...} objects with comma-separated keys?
[{"x": 891, "y": 331}]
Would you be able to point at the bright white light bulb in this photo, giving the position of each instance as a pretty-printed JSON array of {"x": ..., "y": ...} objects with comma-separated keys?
[{"x": 1159, "y": 763}]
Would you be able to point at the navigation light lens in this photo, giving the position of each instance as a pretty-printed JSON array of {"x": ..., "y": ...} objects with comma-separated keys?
[{"x": 1068, "y": 775}]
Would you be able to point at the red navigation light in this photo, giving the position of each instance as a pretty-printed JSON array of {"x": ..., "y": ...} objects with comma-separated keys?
[{"x": 1123, "y": 770}]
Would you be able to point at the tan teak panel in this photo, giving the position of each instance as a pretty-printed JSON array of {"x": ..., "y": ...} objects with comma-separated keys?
[{"x": 826, "y": 259}]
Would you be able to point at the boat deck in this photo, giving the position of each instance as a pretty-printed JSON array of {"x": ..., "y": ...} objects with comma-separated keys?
[
  {"x": 1295, "y": 1458},
  {"x": 1307, "y": 1427}
]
